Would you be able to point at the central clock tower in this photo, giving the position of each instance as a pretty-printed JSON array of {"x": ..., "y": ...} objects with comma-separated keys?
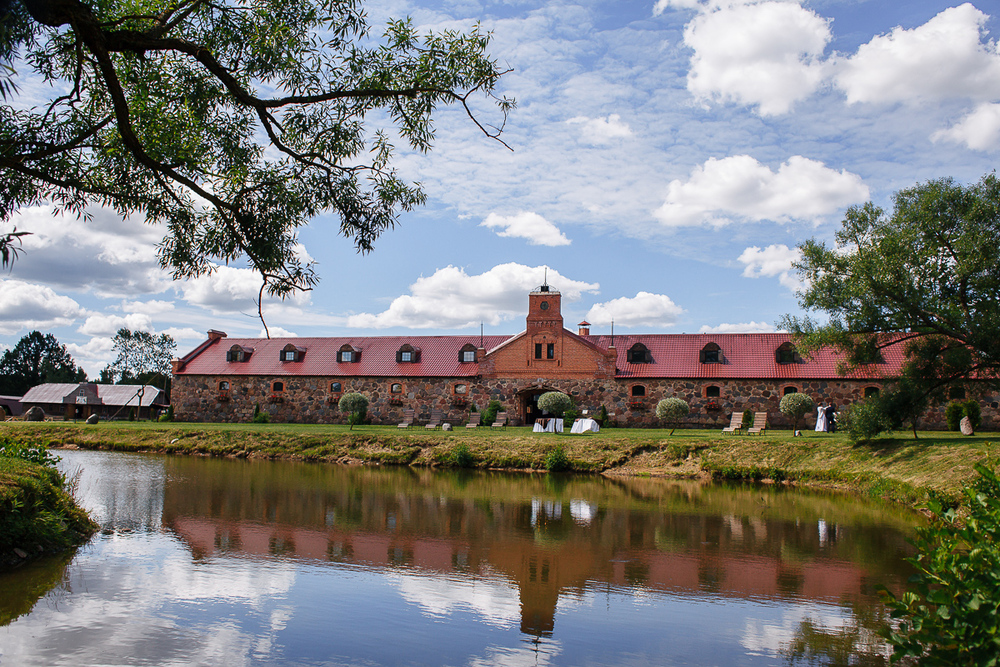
[{"x": 544, "y": 310}]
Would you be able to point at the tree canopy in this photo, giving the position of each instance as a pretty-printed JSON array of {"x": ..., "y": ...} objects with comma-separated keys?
[
  {"x": 36, "y": 359},
  {"x": 143, "y": 358},
  {"x": 926, "y": 275},
  {"x": 234, "y": 123}
]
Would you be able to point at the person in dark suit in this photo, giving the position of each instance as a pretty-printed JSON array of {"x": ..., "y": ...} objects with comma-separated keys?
[{"x": 831, "y": 420}]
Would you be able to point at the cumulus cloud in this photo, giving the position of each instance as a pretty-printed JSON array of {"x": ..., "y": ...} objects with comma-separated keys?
[
  {"x": 277, "y": 332},
  {"x": 739, "y": 187},
  {"x": 944, "y": 58},
  {"x": 108, "y": 325},
  {"x": 742, "y": 327},
  {"x": 451, "y": 298},
  {"x": 767, "y": 54},
  {"x": 980, "y": 130},
  {"x": 26, "y": 306},
  {"x": 645, "y": 309},
  {"x": 230, "y": 290},
  {"x": 526, "y": 225},
  {"x": 97, "y": 349},
  {"x": 601, "y": 130},
  {"x": 774, "y": 260}
]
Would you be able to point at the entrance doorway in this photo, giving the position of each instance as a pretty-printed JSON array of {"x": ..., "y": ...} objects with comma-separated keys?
[{"x": 529, "y": 404}]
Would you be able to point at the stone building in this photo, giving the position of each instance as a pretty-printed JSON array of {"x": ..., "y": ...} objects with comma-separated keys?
[
  {"x": 302, "y": 379},
  {"x": 108, "y": 401}
]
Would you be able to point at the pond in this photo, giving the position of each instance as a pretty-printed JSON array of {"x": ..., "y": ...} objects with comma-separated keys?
[{"x": 230, "y": 562}]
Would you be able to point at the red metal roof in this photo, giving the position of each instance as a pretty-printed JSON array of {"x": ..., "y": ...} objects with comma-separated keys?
[{"x": 438, "y": 357}]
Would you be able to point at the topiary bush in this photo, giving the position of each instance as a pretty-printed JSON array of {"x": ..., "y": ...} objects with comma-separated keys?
[
  {"x": 490, "y": 415},
  {"x": 953, "y": 415},
  {"x": 671, "y": 411},
  {"x": 355, "y": 405},
  {"x": 747, "y": 419},
  {"x": 555, "y": 403},
  {"x": 795, "y": 406},
  {"x": 973, "y": 412}
]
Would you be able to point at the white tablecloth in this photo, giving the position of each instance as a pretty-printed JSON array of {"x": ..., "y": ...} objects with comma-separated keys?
[
  {"x": 581, "y": 425},
  {"x": 552, "y": 425}
]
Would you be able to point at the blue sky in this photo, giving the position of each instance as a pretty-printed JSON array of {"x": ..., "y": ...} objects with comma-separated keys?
[{"x": 668, "y": 158}]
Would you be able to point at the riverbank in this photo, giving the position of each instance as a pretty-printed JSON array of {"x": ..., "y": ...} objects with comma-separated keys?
[
  {"x": 901, "y": 468},
  {"x": 38, "y": 515}
]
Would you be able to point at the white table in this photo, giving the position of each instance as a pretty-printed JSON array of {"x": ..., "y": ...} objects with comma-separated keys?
[
  {"x": 582, "y": 425},
  {"x": 548, "y": 425}
]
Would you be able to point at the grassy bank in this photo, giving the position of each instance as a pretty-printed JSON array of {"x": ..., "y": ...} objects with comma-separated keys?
[
  {"x": 900, "y": 468},
  {"x": 37, "y": 513}
]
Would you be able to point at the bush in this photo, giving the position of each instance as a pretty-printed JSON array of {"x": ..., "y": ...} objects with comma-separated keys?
[
  {"x": 356, "y": 405},
  {"x": 168, "y": 415},
  {"x": 460, "y": 456},
  {"x": 953, "y": 415},
  {"x": 951, "y": 616},
  {"x": 863, "y": 421},
  {"x": 796, "y": 406},
  {"x": 37, "y": 454},
  {"x": 261, "y": 417},
  {"x": 490, "y": 415},
  {"x": 747, "y": 419},
  {"x": 555, "y": 403},
  {"x": 671, "y": 410},
  {"x": 602, "y": 416},
  {"x": 556, "y": 460},
  {"x": 973, "y": 412}
]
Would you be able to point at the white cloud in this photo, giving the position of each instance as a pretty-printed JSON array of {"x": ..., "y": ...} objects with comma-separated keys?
[
  {"x": 25, "y": 306},
  {"x": 980, "y": 130},
  {"x": 96, "y": 349},
  {"x": 740, "y": 187},
  {"x": 181, "y": 334},
  {"x": 766, "y": 54},
  {"x": 452, "y": 299},
  {"x": 526, "y": 225},
  {"x": 742, "y": 327},
  {"x": 774, "y": 260},
  {"x": 944, "y": 58},
  {"x": 645, "y": 309},
  {"x": 153, "y": 307},
  {"x": 277, "y": 332},
  {"x": 108, "y": 325},
  {"x": 601, "y": 130},
  {"x": 230, "y": 290},
  {"x": 662, "y": 5}
]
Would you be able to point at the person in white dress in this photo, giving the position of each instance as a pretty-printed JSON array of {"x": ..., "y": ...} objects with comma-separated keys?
[{"x": 821, "y": 418}]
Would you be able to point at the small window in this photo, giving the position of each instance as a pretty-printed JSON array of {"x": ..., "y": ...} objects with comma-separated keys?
[
  {"x": 538, "y": 350},
  {"x": 956, "y": 393},
  {"x": 396, "y": 388},
  {"x": 638, "y": 354},
  {"x": 710, "y": 354},
  {"x": 871, "y": 391},
  {"x": 335, "y": 387},
  {"x": 291, "y": 353},
  {"x": 550, "y": 351},
  {"x": 789, "y": 390},
  {"x": 238, "y": 353},
  {"x": 407, "y": 354},
  {"x": 277, "y": 386},
  {"x": 786, "y": 354},
  {"x": 223, "y": 386},
  {"x": 712, "y": 392},
  {"x": 348, "y": 355},
  {"x": 638, "y": 391},
  {"x": 461, "y": 388}
]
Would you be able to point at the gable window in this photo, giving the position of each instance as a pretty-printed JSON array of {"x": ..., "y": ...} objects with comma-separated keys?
[
  {"x": 789, "y": 390},
  {"x": 786, "y": 354},
  {"x": 467, "y": 354},
  {"x": 239, "y": 353},
  {"x": 712, "y": 392},
  {"x": 710, "y": 354},
  {"x": 407, "y": 354},
  {"x": 223, "y": 385},
  {"x": 871, "y": 391},
  {"x": 348, "y": 355},
  {"x": 335, "y": 387},
  {"x": 638, "y": 354},
  {"x": 277, "y": 386},
  {"x": 638, "y": 391},
  {"x": 396, "y": 388}
]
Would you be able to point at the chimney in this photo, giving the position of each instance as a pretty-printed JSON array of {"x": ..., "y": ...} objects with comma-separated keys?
[
  {"x": 216, "y": 335},
  {"x": 584, "y": 329},
  {"x": 176, "y": 365}
]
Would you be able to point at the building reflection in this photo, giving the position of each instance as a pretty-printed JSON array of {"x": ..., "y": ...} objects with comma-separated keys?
[{"x": 546, "y": 542}]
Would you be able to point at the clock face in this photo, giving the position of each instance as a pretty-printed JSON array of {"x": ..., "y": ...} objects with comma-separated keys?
[{"x": 544, "y": 305}]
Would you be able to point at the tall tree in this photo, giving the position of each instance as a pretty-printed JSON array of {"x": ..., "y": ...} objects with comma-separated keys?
[
  {"x": 926, "y": 276},
  {"x": 232, "y": 122},
  {"x": 36, "y": 359},
  {"x": 143, "y": 358}
]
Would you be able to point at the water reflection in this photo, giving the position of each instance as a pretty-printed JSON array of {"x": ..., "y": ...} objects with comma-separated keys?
[{"x": 279, "y": 563}]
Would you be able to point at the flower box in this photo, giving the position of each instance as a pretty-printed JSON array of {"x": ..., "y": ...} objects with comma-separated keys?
[
  {"x": 223, "y": 396},
  {"x": 275, "y": 398},
  {"x": 459, "y": 402},
  {"x": 713, "y": 405},
  {"x": 395, "y": 401},
  {"x": 637, "y": 405}
]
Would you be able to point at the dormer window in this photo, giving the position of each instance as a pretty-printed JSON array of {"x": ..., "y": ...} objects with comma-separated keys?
[
  {"x": 467, "y": 355},
  {"x": 348, "y": 355},
  {"x": 239, "y": 353},
  {"x": 291, "y": 353},
  {"x": 710, "y": 354},
  {"x": 787, "y": 354},
  {"x": 638, "y": 354},
  {"x": 407, "y": 354}
]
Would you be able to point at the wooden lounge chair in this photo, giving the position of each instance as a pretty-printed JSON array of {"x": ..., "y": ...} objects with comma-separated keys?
[
  {"x": 407, "y": 419},
  {"x": 474, "y": 419},
  {"x": 436, "y": 418},
  {"x": 759, "y": 424},
  {"x": 735, "y": 424},
  {"x": 500, "y": 421}
]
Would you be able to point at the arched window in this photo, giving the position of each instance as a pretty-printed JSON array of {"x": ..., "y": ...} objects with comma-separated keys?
[
  {"x": 223, "y": 385},
  {"x": 407, "y": 354},
  {"x": 710, "y": 354},
  {"x": 638, "y": 391},
  {"x": 348, "y": 354},
  {"x": 461, "y": 389},
  {"x": 638, "y": 354},
  {"x": 871, "y": 391},
  {"x": 712, "y": 392},
  {"x": 789, "y": 390},
  {"x": 335, "y": 387},
  {"x": 467, "y": 354},
  {"x": 786, "y": 354},
  {"x": 277, "y": 386},
  {"x": 396, "y": 388},
  {"x": 291, "y": 353}
]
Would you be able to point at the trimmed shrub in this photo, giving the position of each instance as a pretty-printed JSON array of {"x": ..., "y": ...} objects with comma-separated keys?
[
  {"x": 671, "y": 411},
  {"x": 796, "y": 406},
  {"x": 490, "y": 415},
  {"x": 355, "y": 405},
  {"x": 602, "y": 416},
  {"x": 747, "y": 419},
  {"x": 555, "y": 403},
  {"x": 973, "y": 412},
  {"x": 953, "y": 415},
  {"x": 260, "y": 417}
]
